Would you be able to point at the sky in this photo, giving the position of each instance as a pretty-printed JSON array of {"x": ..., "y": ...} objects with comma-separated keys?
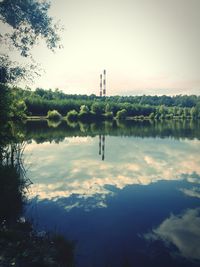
[{"x": 146, "y": 47}]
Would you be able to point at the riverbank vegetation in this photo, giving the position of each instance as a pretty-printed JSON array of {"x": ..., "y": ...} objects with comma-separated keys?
[
  {"x": 54, "y": 104},
  {"x": 20, "y": 244},
  {"x": 24, "y": 24}
]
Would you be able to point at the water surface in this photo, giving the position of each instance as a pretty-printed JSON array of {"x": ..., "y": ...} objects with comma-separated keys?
[{"x": 129, "y": 194}]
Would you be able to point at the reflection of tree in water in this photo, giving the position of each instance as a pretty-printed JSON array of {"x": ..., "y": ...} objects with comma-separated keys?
[
  {"x": 41, "y": 131},
  {"x": 20, "y": 245},
  {"x": 13, "y": 182},
  {"x": 102, "y": 146}
]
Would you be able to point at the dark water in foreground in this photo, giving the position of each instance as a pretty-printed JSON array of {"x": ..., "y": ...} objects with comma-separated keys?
[{"x": 128, "y": 194}]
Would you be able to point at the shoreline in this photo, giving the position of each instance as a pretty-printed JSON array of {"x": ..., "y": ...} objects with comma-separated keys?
[{"x": 136, "y": 118}]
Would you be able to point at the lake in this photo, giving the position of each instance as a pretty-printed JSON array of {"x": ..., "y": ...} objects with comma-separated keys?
[{"x": 127, "y": 193}]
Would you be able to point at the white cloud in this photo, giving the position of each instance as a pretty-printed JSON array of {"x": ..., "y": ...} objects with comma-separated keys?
[
  {"x": 192, "y": 192},
  {"x": 181, "y": 230},
  {"x": 74, "y": 166}
]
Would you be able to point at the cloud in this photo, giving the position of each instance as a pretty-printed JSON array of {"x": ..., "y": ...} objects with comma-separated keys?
[
  {"x": 74, "y": 166},
  {"x": 193, "y": 192},
  {"x": 183, "y": 231}
]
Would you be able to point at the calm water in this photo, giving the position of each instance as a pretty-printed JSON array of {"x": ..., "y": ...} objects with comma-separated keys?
[{"x": 129, "y": 195}]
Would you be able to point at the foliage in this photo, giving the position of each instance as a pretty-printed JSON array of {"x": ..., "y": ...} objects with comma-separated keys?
[
  {"x": 72, "y": 115},
  {"x": 108, "y": 115},
  {"x": 40, "y": 132},
  {"x": 98, "y": 108},
  {"x": 84, "y": 108},
  {"x": 10, "y": 71},
  {"x": 11, "y": 105},
  {"x": 40, "y": 101},
  {"x": 151, "y": 116},
  {"x": 87, "y": 116},
  {"x": 5, "y": 97},
  {"x": 29, "y": 21},
  {"x": 121, "y": 114},
  {"x": 20, "y": 245},
  {"x": 11, "y": 193},
  {"x": 26, "y": 22},
  {"x": 91, "y": 107},
  {"x": 53, "y": 115}
]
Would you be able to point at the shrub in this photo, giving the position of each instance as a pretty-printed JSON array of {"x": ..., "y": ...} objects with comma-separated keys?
[
  {"x": 141, "y": 117},
  {"x": 108, "y": 115},
  {"x": 86, "y": 116},
  {"x": 84, "y": 108},
  {"x": 98, "y": 108},
  {"x": 72, "y": 115},
  {"x": 121, "y": 114},
  {"x": 162, "y": 116},
  {"x": 53, "y": 115},
  {"x": 169, "y": 116},
  {"x": 151, "y": 116}
]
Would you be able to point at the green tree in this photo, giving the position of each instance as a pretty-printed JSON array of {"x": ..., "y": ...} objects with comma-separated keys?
[
  {"x": 53, "y": 115},
  {"x": 28, "y": 22},
  {"x": 179, "y": 111},
  {"x": 72, "y": 115},
  {"x": 198, "y": 109},
  {"x": 185, "y": 112},
  {"x": 151, "y": 116},
  {"x": 121, "y": 114},
  {"x": 175, "y": 109},
  {"x": 97, "y": 108},
  {"x": 84, "y": 108},
  {"x": 108, "y": 115},
  {"x": 5, "y": 103},
  {"x": 108, "y": 108},
  {"x": 162, "y": 110},
  {"x": 19, "y": 109},
  {"x": 193, "y": 112}
]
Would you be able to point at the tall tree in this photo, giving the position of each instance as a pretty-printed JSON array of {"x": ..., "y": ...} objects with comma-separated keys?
[{"x": 25, "y": 23}]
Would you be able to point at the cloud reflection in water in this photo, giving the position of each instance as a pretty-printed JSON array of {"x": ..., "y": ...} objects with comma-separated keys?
[
  {"x": 183, "y": 231},
  {"x": 74, "y": 168}
]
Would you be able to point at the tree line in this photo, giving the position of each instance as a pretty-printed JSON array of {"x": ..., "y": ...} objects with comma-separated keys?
[{"x": 57, "y": 104}]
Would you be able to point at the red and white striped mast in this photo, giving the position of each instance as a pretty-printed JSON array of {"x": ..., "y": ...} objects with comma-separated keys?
[
  {"x": 103, "y": 88},
  {"x": 100, "y": 85},
  {"x": 104, "y": 83}
]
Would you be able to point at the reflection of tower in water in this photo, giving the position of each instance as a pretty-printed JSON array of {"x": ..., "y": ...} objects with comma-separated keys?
[{"x": 102, "y": 146}]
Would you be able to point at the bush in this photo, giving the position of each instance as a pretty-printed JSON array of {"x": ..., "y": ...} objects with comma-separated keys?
[
  {"x": 72, "y": 115},
  {"x": 169, "y": 116},
  {"x": 151, "y": 116},
  {"x": 108, "y": 115},
  {"x": 162, "y": 116},
  {"x": 121, "y": 114},
  {"x": 141, "y": 117},
  {"x": 54, "y": 115},
  {"x": 86, "y": 116},
  {"x": 84, "y": 108},
  {"x": 98, "y": 108}
]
